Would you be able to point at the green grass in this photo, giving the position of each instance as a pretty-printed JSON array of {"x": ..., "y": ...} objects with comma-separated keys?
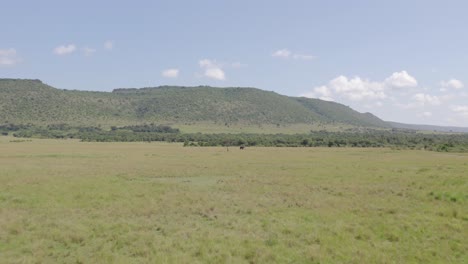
[{"x": 74, "y": 202}]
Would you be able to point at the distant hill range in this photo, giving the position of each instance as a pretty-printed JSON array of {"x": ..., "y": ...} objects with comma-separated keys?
[
  {"x": 32, "y": 101},
  {"x": 429, "y": 127}
]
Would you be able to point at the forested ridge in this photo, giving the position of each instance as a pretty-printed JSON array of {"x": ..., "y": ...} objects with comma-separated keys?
[
  {"x": 32, "y": 101},
  {"x": 30, "y": 108}
]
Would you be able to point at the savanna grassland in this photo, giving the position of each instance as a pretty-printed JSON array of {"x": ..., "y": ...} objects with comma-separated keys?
[{"x": 64, "y": 201}]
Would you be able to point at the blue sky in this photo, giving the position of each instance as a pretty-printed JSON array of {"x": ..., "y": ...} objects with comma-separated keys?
[{"x": 404, "y": 61}]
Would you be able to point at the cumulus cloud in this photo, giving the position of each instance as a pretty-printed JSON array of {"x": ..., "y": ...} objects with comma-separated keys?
[
  {"x": 207, "y": 63},
  {"x": 421, "y": 100},
  {"x": 451, "y": 84},
  {"x": 109, "y": 44},
  {"x": 407, "y": 101},
  {"x": 170, "y": 73},
  {"x": 321, "y": 92},
  {"x": 460, "y": 109},
  {"x": 237, "y": 65},
  {"x": 8, "y": 57},
  {"x": 373, "y": 105},
  {"x": 7, "y": 52},
  {"x": 282, "y": 53},
  {"x": 359, "y": 89},
  {"x": 212, "y": 69},
  {"x": 426, "y": 114},
  {"x": 401, "y": 80},
  {"x": 303, "y": 57},
  {"x": 426, "y": 99},
  {"x": 88, "y": 51},
  {"x": 355, "y": 89},
  {"x": 215, "y": 73},
  {"x": 65, "y": 49},
  {"x": 287, "y": 54}
]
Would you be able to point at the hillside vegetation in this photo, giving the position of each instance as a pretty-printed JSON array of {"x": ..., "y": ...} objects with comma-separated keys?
[
  {"x": 31, "y": 101},
  {"x": 449, "y": 129}
]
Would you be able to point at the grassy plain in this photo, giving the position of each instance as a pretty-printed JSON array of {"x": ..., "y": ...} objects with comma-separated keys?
[{"x": 73, "y": 202}]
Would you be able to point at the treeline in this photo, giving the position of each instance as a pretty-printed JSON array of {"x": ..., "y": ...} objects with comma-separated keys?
[
  {"x": 439, "y": 142},
  {"x": 153, "y": 128},
  {"x": 153, "y": 132},
  {"x": 89, "y": 133}
]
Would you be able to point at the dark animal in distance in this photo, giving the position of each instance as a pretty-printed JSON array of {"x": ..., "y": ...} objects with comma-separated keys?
[{"x": 241, "y": 147}]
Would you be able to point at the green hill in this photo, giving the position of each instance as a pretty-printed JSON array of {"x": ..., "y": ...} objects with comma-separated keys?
[
  {"x": 31, "y": 101},
  {"x": 335, "y": 112}
]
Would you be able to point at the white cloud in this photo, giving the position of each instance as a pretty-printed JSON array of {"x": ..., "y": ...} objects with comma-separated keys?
[
  {"x": 88, "y": 51},
  {"x": 326, "y": 98},
  {"x": 212, "y": 69},
  {"x": 8, "y": 57},
  {"x": 287, "y": 54},
  {"x": 447, "y": 97},
  {"x": 109, "y": 45},
  {"x": 237, "y": 65},
  {"x": 65, "y": 49},
  {"x": 170, "y": 73},
  {"x": 357, "y": 89},
  {"x": 426, "y": 99},
  {"x": 373, "y": 105},
  {"x": 206, "y": 63},
  {"x": 426, "y": 114},
  {"x": 282, "y": 53},
  {"x": 303, "y": 57},
  {"x": 460, "y": 109},
  {"x": 321, "y": 92},
  {"x": 451, "y": 84},
  {"x": 215, "y": 73},
  {"x": 401, "y": 80},
  {"x": 7, "y": 52},
  {"x": 385, "y": 98}
]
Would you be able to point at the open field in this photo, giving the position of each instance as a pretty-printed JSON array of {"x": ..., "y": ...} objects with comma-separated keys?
[{"x": 73, "y": 202}]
